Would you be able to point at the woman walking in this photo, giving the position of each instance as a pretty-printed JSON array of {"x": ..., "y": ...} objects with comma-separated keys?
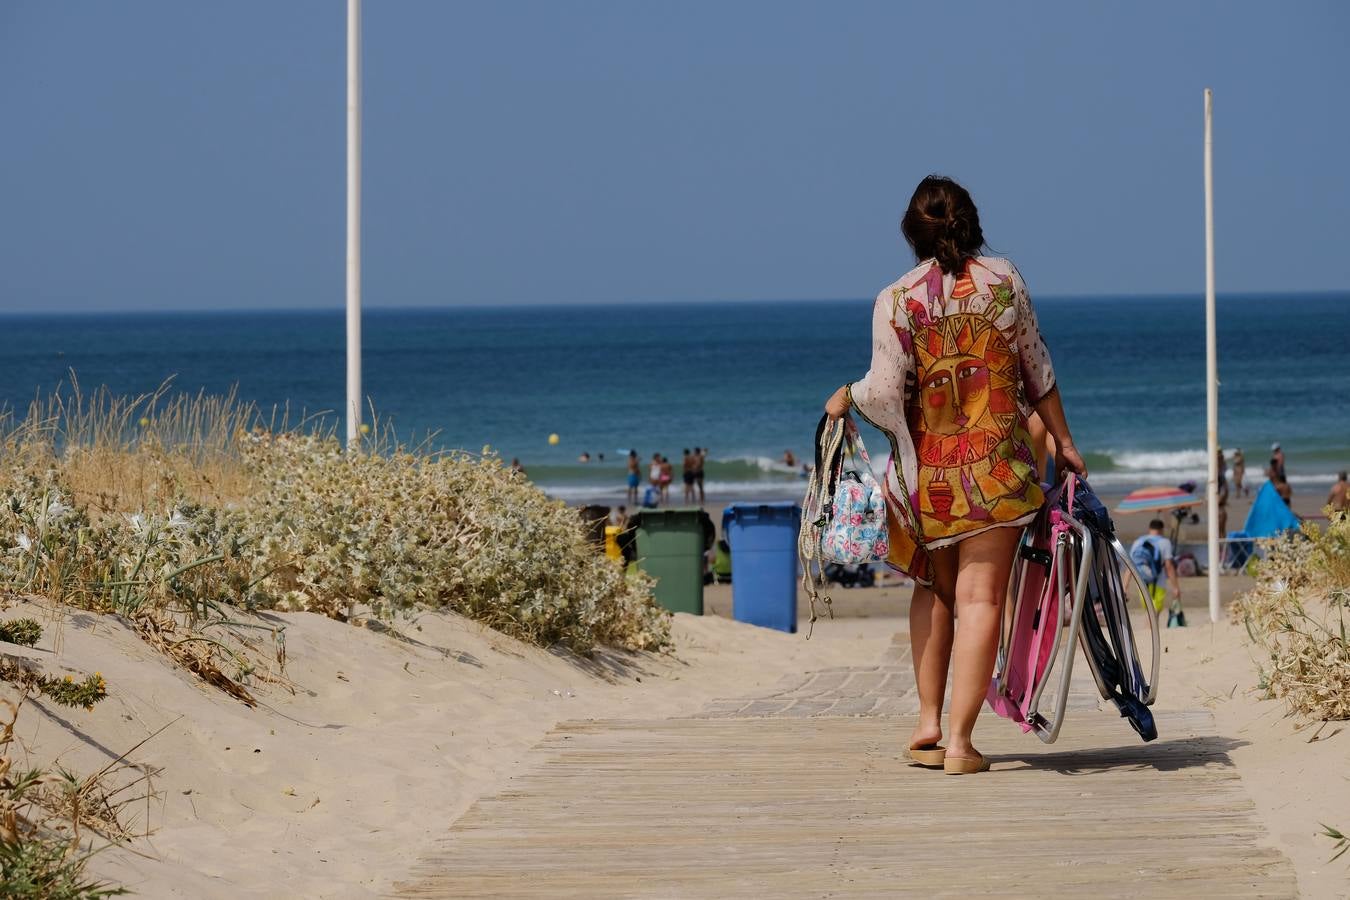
[{"x": 958, "y": 366}]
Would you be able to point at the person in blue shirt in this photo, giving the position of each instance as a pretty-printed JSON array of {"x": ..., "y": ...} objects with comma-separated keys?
[{"x": 1152, "y": 556}]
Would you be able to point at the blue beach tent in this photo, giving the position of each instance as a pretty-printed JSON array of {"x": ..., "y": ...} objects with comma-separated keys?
[{"x": 1269, "y": 516}]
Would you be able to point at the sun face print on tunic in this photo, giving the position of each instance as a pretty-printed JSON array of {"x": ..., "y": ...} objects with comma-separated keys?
[
  {"x": 957, "y": 363},
  {"x": 966, "y": 413}
]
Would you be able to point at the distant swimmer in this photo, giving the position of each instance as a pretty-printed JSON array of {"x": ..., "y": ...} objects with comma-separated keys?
[
  {"x": 517, "y": 468},
  {"x": 789, "y": 460},
  {"x": 584, "y": 458}
]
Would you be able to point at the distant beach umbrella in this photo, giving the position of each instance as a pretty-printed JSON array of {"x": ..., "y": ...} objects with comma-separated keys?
[{"x": 1157, "y": 499}]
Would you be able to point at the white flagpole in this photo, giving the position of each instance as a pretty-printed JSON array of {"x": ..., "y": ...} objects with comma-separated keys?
[
  {"x": 1211, "y": 366},
  {"x": 353, "y": 221}
]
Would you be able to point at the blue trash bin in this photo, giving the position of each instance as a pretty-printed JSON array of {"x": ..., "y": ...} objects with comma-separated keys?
[{"x": 763, "y": 539}]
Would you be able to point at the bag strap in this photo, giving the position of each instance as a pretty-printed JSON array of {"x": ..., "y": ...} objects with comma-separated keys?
[{"x": 816, "y": 510}]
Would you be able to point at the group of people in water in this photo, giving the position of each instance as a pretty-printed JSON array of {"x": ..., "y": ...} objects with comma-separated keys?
[{"x": 661, "y": 474}]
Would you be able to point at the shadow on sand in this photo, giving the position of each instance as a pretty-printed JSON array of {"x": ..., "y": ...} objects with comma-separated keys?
[{"x": 1160, "y": 756}]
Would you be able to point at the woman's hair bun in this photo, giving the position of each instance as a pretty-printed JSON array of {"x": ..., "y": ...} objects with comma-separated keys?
[{"x": 943, "y": 223}]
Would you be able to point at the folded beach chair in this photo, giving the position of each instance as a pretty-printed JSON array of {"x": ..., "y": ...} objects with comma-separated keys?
[
  {"x": 1106, "y": 634},
  {"x": 1049, "y": 580}
]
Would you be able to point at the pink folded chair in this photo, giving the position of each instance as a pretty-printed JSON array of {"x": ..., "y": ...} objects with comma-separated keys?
[{"x": 1047, "y": 601}]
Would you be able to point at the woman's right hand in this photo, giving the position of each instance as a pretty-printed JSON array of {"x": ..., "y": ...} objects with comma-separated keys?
[
  {"x": 837, "y": 406},
  {"x": 1068, "y": 459}
]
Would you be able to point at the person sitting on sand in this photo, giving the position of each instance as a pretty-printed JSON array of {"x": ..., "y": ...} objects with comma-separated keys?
[
  {"x": 634, "y": 476},
  {"x": 958, "y": 365},
  {"x": 1339, "y": 498}
]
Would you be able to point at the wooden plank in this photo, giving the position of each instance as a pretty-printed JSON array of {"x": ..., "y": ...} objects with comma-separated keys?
[{"x": 781, "y": 807}]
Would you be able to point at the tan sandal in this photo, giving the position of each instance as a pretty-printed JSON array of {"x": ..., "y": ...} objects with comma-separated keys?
[
  {"x": 965, "y": 765},
  {"x": 929, "y": 755}
]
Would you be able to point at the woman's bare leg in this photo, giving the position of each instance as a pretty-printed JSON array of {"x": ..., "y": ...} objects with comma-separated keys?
[
  {"x": 984, "y": 563},
  {"x": 930, "y": 640}
]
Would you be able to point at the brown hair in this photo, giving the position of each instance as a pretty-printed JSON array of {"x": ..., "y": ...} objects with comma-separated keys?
[{"x": 943, "y": 223}]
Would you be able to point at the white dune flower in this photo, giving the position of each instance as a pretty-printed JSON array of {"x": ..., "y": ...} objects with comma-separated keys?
[
  {"x": 25, "y": 542},
  {"x": 56, "y": 509},
  {"x": 178, "y": 521},
  {"x": 137, "y": 523}
]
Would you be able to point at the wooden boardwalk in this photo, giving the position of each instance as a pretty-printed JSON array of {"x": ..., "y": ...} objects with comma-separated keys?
[{"x": 823, "y": 806}]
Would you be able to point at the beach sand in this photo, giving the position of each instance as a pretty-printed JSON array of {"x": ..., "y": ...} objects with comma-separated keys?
[
  {"x": 333, "y": 790},
  {"x": 334, "y": 786},
  {"x": 1306, "y": 503}
]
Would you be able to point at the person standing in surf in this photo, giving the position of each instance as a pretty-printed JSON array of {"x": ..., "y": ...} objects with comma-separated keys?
[
  {"x": 634, "y": 477},
  {"x": 958, "y": 367}
]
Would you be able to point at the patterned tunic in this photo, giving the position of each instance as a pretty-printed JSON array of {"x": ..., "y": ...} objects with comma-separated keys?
[{"x": 957, "y": 363}]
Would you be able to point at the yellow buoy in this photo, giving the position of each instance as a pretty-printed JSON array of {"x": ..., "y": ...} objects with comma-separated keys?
[{"x": 553, "y": 439}]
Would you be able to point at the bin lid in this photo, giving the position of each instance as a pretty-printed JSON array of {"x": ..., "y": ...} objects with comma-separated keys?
[
  {"x": 676, "y": 516},
  {"x": 761, "y": 511}
]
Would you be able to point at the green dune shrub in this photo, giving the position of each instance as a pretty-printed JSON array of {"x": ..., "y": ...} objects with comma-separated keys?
[
  {"x": 315, "y": 527},
  {"x": 329, "y": 530}
]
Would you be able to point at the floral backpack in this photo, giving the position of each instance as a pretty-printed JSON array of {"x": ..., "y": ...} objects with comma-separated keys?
[{"x": 844, "y": 513}]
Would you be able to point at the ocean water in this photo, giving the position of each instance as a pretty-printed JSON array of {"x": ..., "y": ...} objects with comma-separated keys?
[{"x": 746, "y": 380}]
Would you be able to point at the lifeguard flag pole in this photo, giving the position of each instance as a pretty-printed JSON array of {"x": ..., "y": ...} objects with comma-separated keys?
[
  {"x": 353, "y": 222},
  {"x": 1211, "y": 366}
]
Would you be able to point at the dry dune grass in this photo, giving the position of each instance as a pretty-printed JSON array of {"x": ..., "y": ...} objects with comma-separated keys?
[
  {"x": 1296, "y": 616},
  {"x": 119, "y": 453},
  {"x": 199, "y": 505}
]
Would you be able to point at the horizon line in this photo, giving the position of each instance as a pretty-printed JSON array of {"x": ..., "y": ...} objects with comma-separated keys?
[{"x": 337, "y": 306}]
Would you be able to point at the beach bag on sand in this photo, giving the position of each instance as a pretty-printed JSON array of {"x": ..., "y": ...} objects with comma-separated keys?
[{"x": 844, "y": 511}]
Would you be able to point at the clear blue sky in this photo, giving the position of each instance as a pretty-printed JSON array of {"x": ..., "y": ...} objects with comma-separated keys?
[{"x": 191, "y": 155}]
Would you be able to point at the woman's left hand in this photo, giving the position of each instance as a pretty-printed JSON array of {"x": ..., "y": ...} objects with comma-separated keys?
[{"x": 837, "y": 406}]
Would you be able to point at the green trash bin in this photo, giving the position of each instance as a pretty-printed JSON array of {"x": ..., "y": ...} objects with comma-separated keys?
[{"x": 670, "y": 548}]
